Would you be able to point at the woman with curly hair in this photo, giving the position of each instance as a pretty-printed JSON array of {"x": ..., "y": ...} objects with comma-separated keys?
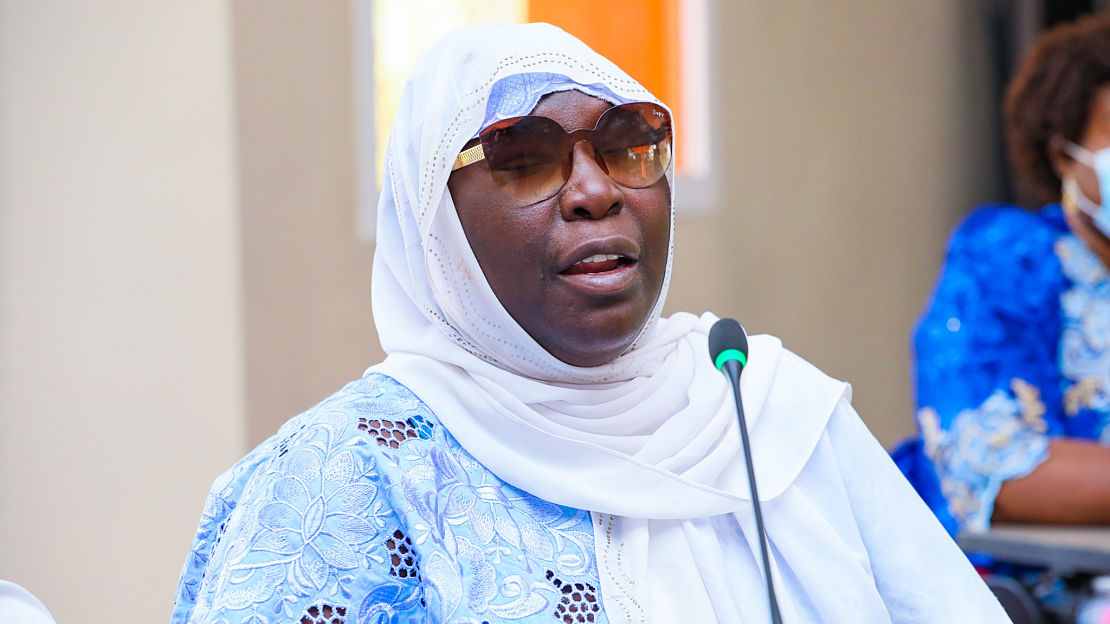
[{"x": 1013, "y": 353}]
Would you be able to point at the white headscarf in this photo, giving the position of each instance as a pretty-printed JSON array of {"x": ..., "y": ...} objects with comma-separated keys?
[{"x": 649, "y": 442}]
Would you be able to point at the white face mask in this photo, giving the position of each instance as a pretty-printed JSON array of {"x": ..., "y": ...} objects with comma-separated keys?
[{"x": 1100, "y": 162}]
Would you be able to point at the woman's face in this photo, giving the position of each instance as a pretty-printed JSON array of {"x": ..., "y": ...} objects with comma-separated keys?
[{"x": 583, "y": 313}]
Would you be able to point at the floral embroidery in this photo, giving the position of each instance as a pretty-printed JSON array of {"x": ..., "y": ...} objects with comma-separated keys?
[
  {"x": 1029, "y": 401},
  {"x": 1001, "y": 439},
  {"x": 1085, "y": 336},
  {"x": 1082, "y": 395},
  {"x": 929, "y": 422},
  {"x": 488, "y": 528},
  {"x": 337, "y": 518},
  {"x": 1015, "y": 291},
  {"x": 311, "y": 529}
]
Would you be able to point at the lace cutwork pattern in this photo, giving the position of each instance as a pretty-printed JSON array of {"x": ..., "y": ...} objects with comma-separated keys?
[
  {"x": 578, "y": 602},
  {"x": 324, "y": 613},
  {"x": 402, "y": 563},
  {"x": 392, "y": 433},
  {"x": 343, "y": 529}
]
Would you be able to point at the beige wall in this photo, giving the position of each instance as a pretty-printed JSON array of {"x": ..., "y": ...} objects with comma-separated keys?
[
  {"x": 854, "y": 134},
  {"x": 180, "y": 272},
  {"x": 121, "y": 327},
  {"x": 306, "y": 274}
]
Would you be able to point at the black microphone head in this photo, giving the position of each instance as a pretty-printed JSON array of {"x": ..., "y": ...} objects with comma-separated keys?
[{"x": 727, "y": 341}]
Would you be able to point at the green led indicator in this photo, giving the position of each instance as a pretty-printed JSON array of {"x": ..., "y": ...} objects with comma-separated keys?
[{"x": 731, "y": 354}]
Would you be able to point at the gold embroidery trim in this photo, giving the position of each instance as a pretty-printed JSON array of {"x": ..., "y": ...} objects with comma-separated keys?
[
  {"x": 1029, "y": 398},
  {"x": 605, "y": 556},
  {"x": 1081, "y": 395},
  {"x": 620, "y": 568}
]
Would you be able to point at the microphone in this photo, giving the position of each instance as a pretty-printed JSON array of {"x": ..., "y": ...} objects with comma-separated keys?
[{"x": 728, "y": 347}]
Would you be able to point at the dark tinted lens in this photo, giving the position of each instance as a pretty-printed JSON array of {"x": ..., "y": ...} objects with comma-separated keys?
[
  {"x": 527, "y": 156},
  {"x": 634, "y": 140}
]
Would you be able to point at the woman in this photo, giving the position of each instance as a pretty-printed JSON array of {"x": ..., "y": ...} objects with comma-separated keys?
[
  {"x": 1013, "y": 361},
  {"x": 539, "y": 444}
]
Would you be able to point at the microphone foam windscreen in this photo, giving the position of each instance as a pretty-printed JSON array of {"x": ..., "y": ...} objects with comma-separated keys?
[{"x": 727, "y": 334}]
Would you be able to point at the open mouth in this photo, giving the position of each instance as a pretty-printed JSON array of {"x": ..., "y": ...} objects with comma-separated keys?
[
  {"x": 599, "y": 263},
  {"x": 601, "y": 266}
]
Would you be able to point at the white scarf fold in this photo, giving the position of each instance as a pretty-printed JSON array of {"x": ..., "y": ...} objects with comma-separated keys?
[{"x": 648, "y": 443}]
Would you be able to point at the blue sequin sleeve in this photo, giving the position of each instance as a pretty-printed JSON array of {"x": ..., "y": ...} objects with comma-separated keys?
[{"x": 988, "y": 385}]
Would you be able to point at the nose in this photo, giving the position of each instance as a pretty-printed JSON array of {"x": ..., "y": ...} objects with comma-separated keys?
[{"x": 589, "y": 192}]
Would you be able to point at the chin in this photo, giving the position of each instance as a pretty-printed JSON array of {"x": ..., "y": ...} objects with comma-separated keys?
[
  {"x": 590, "y": 336},
  {"x": 594, "y": 349},
  {"x": 590, "y": 360}
]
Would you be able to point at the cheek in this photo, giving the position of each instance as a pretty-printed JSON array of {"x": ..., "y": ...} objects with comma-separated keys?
[
  {"x": 1088, "y": 182},
  {"x": 486, "y": 221},
  {"x": 509, "y": 244},
  {"x": 656, "y": 223},
  {"x": 514, "y": 233}
]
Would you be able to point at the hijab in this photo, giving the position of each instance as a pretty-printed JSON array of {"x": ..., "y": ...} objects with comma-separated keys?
[{"x": 649, "y": 442}]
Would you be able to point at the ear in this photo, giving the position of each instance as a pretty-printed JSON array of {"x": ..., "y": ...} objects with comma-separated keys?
[{"x": 1058, "y": 156}]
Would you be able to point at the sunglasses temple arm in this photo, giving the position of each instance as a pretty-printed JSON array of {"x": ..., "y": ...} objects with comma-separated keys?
[{"x": 469, "y": 157}]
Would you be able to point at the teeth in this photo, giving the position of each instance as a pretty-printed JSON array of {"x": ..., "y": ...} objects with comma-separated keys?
[{"x": 598, "y": 258}]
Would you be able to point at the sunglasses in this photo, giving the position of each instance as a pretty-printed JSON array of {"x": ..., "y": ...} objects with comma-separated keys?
[{"x": 530, "y": 158}]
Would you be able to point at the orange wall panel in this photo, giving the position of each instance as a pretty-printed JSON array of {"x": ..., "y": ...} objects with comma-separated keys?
[{"x": 640, "y": 36}]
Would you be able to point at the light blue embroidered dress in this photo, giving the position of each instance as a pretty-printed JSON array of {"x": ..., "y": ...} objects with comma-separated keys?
[
  {"x": 364, "y": 510},
  {"x": 1013, "y": 350}
]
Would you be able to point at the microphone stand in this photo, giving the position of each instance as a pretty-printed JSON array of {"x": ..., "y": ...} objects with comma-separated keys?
[{"x": 732, "y": 369}]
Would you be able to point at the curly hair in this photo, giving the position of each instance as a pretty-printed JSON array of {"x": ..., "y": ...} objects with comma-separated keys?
[{"x": 1051, "y": 95}]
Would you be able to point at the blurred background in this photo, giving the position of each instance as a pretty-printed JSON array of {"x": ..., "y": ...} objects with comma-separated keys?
[{"x": 187, "y": 192}]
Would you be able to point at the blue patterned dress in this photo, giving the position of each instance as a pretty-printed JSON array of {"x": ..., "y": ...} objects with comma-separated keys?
[
  {"x": 364, "y": 510},
  {"x": 1013, "y": 350}
]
